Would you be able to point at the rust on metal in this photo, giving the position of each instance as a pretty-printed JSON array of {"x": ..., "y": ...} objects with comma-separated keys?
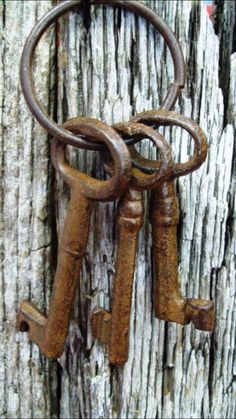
[
  {"x": 50, "y": 332},
  {"x": 126, "y": 183},
  {"x": 52, "y": 16},
  {"x": 157, "y": 118},
  {"x": 112, "y": 327},
  {"x": 170, "y": 305}
]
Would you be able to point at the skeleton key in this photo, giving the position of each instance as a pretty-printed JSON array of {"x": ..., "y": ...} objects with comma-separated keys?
[
  {"x": 112, "y": 328},
  {"x": 50, "y": 332},
  {"x": 164, "y": 216}
]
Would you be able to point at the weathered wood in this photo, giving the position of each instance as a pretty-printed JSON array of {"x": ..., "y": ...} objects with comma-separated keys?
[
  {"x": 120, "y": 67},
  {"x": 26, "y": 378}
]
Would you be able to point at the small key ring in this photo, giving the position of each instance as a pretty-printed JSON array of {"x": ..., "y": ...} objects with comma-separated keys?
[
  {"x": 94, "y": 130},
  {"x": 166, "y": 118},
  {"x": 49, "y": 18},
  {"x": 139, "y": 179}
]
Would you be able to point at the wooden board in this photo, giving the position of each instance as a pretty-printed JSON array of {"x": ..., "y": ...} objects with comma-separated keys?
[{"x": 120, "y": 67}]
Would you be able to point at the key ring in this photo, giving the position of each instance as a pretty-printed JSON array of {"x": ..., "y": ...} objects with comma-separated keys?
[{"x": 28, "y": 52}]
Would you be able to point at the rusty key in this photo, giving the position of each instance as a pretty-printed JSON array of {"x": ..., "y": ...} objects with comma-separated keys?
[
  {"x": 112, "y": 327},
  {"x": 49, "y": 332},
  {"x": 164, "y": 216}
]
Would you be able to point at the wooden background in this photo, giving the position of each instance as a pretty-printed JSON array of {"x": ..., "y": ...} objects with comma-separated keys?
[{"x": 120, "y": 67}]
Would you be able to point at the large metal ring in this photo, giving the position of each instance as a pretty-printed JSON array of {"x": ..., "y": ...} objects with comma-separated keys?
[
  {"x": 164, "y": 118},
  {"x": 50, "y": 17},
  {"x": 102, "y": 190}
]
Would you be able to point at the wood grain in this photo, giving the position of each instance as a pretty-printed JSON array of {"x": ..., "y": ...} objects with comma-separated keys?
[{"x": 118, "y": 68}]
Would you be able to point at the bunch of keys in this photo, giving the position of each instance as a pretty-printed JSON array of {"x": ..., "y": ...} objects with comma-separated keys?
[{"x": 130, "y": 174}]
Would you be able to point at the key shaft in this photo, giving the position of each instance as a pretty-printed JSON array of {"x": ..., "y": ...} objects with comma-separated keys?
[
  {"x": 113, "y": 328},
  {"x": 170, "y": 305},
  {"x": 50, "y": 332}
]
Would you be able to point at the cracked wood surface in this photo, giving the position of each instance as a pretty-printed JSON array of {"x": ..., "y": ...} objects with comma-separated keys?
[{"x": 120, "y": 67}]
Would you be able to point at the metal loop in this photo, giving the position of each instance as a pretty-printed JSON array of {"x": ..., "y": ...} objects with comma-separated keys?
[
  {"x": 140, "y": 180},
  {"x": 50, "y": 17},
  {"x": 164, "y": 118},
  {"x": 91, "y": 188}
]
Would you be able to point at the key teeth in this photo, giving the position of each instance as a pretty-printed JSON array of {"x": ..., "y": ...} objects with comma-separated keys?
[
  {"x": 201, "y": 313},
  {"x": 29, "y": 313},
  {"x": 183, "y": 311},
  {"x": 31, "y": 319}
]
